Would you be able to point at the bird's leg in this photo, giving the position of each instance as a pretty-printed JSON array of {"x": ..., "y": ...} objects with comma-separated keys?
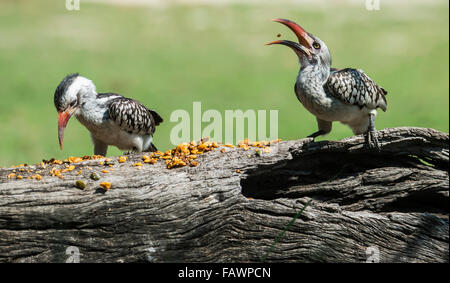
[
  {"x": 324, "y": 128},
  {"x": 371, "y": 135},
  {"x": 152, "y": 148},
  {"x": 316, "y": 134},
  {"x": 100, "y": 148}
]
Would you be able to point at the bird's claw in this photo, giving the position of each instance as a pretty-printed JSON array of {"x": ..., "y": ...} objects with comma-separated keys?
[{"x": 372, "y": 140}]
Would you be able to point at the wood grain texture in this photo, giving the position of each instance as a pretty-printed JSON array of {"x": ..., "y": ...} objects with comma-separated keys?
[{"x": 395, "y": 200}]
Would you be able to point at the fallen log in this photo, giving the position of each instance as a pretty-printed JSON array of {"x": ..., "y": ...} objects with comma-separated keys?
[{"x": 242, "y": 206}]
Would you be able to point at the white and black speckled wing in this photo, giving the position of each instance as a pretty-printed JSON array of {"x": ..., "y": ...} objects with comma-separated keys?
[
  {"x": 355, "y": 87},
  {"x": 133, "y": 117}
]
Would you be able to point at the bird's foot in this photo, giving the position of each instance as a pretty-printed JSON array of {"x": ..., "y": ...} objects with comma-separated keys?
[
  {"x": 372, "y": 140},
  {"x": 131, "y": 151},
  {"x": 313, "y": 136}
]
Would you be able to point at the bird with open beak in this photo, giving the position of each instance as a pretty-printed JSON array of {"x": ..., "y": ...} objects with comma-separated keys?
[
  {"x": 110, "y": 118},
  {"x": 345, "y": 95}
]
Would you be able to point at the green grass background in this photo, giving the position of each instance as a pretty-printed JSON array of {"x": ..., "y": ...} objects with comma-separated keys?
[{"x": 168, "y": 57}]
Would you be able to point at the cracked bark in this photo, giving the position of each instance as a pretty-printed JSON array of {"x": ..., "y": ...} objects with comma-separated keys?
[{"x": 395, "y": 200}]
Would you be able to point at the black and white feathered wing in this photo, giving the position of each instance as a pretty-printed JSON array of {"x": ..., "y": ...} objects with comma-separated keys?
[
  {"x": 133, "y": 117},
  {"x": 355, "y": 87}
]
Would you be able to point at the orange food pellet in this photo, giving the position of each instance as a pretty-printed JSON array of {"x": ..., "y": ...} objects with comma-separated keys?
[
  {"x": 105, "y": 185},
  {"x": 73, "y": 159},
  {"x": 37, "y": 177}
]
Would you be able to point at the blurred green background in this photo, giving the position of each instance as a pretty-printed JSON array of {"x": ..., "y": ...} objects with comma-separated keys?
[{"x": 168, "y": 56}]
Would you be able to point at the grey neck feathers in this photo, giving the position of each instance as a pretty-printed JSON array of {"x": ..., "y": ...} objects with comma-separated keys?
[{"x": 313, "y": 75}]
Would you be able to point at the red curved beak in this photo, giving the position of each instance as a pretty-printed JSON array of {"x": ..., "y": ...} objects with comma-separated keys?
[
  {"x": 63, "y": 119},
  {"x": 305, "y": 40},
  {"x": 303, "y": 37}
]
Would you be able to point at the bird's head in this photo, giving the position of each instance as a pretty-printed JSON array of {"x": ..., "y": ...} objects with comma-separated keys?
[
  {"x": 67, "y": 99},
  {"x": 309, "y": 49}
]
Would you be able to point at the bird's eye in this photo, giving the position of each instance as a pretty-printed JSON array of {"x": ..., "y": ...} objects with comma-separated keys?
[
  {"x": 73, "y": 103},
  {"x": 316, "y": 45}
]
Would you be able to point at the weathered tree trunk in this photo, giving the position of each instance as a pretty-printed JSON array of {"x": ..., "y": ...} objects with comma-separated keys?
[{"x": 391, "y": 205}]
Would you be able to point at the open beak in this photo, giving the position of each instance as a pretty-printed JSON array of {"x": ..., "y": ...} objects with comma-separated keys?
[
  {"x": 305, "y": 40},
  {"x": 63, "y": 119}
]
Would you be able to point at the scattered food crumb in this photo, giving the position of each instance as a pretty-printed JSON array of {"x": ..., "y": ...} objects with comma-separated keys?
[
  {"x": 185, "y": 154},
  {"x": 37, "y": 177},
  {"x": 80, "y": 184},
  {"x": 94, "y": 176},
  {"x": 105, "y": 185}
]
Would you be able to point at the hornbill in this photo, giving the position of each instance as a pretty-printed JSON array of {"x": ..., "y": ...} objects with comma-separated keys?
[
  {"x": 347, "y": 95},
  {"x": 110, "y": 118}
]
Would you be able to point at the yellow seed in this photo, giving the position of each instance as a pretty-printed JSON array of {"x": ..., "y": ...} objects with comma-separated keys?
[
  {"x": 105, "y": 171},
  {"x": 122, "y": 159},
  {"x": 137, "y": 164}
]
